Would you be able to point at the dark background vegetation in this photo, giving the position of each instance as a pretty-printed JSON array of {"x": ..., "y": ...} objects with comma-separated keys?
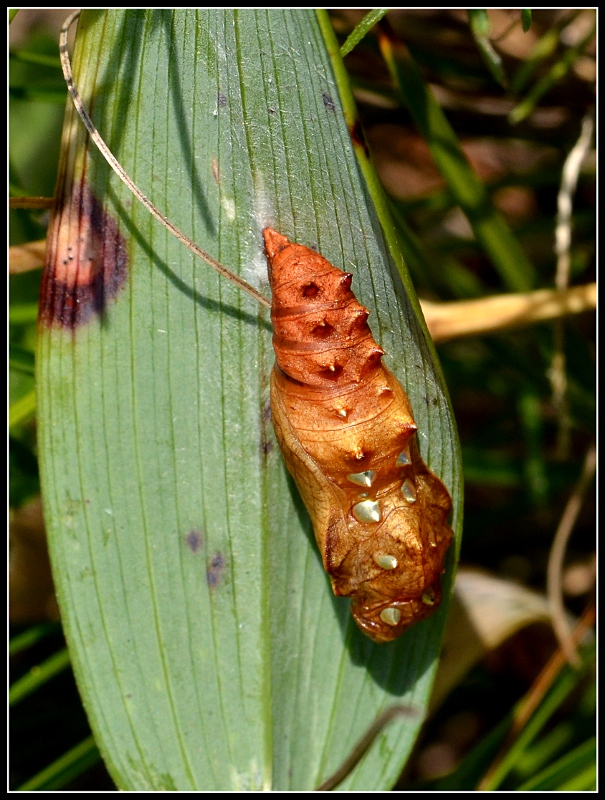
[{"x": 522, "y": 453}]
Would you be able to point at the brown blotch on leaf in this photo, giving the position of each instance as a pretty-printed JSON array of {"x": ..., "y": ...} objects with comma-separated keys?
[
  {"x": 194, "y": 540},
  {"x": 215, "y": 569},
  {"x": 86, "y": 261}
]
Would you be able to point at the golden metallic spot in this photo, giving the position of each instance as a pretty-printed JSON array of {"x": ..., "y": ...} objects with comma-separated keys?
[
  {"x": 385, "y": 560},
  {"x": 390, "y": 615},
  {"x": 342, "y": 412},
  {"x": 367, "y": 511},
  {"x": 408, "y": 490},
  {"x": 362, "y": 478}
]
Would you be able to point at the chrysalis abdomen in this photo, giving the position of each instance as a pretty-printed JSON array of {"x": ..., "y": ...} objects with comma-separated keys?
[{"x": 346, "y": 431}]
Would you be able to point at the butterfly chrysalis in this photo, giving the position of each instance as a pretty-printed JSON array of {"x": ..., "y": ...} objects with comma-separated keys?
[{"x": 346, "y": 431}]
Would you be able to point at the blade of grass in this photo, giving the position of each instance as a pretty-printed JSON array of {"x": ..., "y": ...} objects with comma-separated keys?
[
  {"x": 481, "y": 28},
  {"x": 65, "y": 769},
  {"x": 541, "y": 51},
  {"x": 525, "y": 733},
  {"x": 23, "y": 313},
  {"x": 38, "y": 676},
  {"x": 576, "y": 771},
  {"x": 526, "y": 19},
  {"x": 31, "y": 636},
  {"x": 22, "y": 410},
  {"x": 488, "y": 225},
  {"x": 21, "y": 359},
  {"x": 556, "y": 73},
  {"x": 360, "y": 30}
]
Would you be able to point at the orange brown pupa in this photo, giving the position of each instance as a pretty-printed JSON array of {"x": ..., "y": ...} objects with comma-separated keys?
[{"x": 347, "y": 434}]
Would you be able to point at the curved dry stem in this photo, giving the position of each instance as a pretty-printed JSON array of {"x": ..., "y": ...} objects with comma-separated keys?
[
  {"x": 569, "y": 181},
  {"x": 126, "y": 179},
  {"x": 557, "y": 555}
]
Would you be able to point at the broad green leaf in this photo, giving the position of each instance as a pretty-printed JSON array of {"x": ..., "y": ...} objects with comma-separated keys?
[{"x": 207, "y": 645}]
